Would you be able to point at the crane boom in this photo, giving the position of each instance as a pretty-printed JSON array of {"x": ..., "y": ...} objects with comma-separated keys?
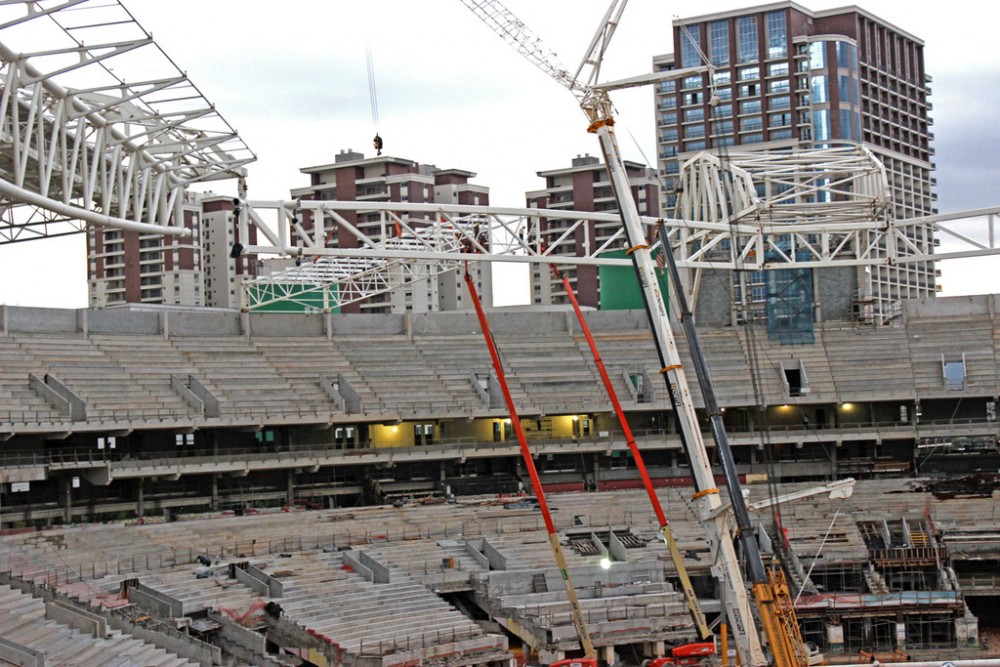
[
  {"x": 770, "y": 592},
  {"x": 726, "y": 568},
  {"x": 694, "y": 607},
  {"x": 576, "y": 612},
  {"x": 513, "y": 31}
]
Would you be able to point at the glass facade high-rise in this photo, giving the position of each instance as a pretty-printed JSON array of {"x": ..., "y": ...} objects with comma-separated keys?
[{"x": 784, "y": 77}]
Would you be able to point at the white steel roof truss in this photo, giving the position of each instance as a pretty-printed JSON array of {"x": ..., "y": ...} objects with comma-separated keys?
[{"x": 81, "y": 134}]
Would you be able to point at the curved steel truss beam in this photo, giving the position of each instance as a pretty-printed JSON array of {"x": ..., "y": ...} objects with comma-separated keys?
[{"x": 88, "y": 134}]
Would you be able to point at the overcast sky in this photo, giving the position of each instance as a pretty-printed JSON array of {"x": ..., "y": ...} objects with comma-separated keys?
[{"x": 293, "y": 82}]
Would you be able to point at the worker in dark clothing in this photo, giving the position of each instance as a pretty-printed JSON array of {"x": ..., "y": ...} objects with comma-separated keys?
[{"x": 378, "y": 144}]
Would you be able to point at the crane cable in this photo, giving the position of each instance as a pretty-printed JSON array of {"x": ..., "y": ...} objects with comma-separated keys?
[{"x": 373, "y": 99}]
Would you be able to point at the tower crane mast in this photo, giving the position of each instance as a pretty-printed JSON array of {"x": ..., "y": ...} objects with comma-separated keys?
[{"x": 596, "y": 105}]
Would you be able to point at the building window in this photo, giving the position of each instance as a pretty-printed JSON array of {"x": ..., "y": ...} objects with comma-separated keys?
[
  {"x": 668, "y": 118},
  {"x": 693, "y": 98},
  {"x": 690, "y": 45},
  {"x": 718, "y": 38},
  {"x": 820, "y": 90},
  {"x": 722, "y": 127},
  {"x": 691, "y": 82},
  {"x": 780, "y": 119},
  {"x": 847, "y": 56},
  {"x": 749, "y": 107},
  {"x": 746, "y": 37},
  {"x": 777, "y": 36},
  {"x": 780, "y": 103},
  {"x": 777, "y": 69},
  {"x": 749, "y": 73},
  {"x": 821, "y": 125},
  {"x": 695, "y": 146},
  {"x": 695, "y": 114},
  {"x": 751, "y": 124},
  {"x": 723, "y": 111},
  {"x": 694, "y": 131},
  {"x": 817, "y": 55},
  {"x": 779, "y": 86},
  {"x": 850, "y": 125}
]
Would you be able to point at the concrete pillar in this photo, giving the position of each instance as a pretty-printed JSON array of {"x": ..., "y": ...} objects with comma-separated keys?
[
  {"x": 655, "y": 649},
  {"x": 967, "y": 630},
  {"x": 835, "y": 636},
  {"x": 291, "y": 485},
  {"x": 548, "y": 657},
  {"x": 606, "y": 652},
  {"x": 140, "y": 504},
  {"x": 597, "y": 471},
  {"x": 68, "y": 499},
  {"x": 215, "y": 491}
]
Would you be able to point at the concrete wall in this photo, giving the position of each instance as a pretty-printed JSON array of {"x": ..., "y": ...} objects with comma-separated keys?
[
  {"x": 19, "y": 655},
  {"x": 155, "y": 602},
  {"x": 444, "y": 323},
  {"x": 614, "y": 320},
  {"x": 84, "y": 621},
  {"x": 203, "y": 323},
  {"x": 42, "y": 320},
  {"x": 284, "y": 325},
  {"x": 527, "y": 323},
  {"x": 834, "y": 292},
  {"x": 170, "y": 640},
  {"x": 367, "y": 324},
  {"x": 121, "y": 321},
  {"x": 714, "y": 308},
  {"x": 502, "y": 583},
  {"x": 952, "y": 306}
]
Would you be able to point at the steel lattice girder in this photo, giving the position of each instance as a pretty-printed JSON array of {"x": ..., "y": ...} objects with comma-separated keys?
[
  {"x": 820, "y": 236},
  {"x": 88, "y": 133},
  {"x": 809, "y": 207}
]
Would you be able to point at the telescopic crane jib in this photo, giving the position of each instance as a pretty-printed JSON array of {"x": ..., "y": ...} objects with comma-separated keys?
[{"x": 776, "y": 618}]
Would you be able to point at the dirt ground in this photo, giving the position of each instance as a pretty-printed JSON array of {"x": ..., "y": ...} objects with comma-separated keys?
[{"x": 990, "y": 638}]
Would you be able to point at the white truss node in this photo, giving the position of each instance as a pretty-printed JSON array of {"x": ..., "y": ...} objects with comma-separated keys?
[{"x": 98, "y": 124}]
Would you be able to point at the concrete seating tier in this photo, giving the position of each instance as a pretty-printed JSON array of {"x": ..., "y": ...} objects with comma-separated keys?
[
  {"x": 970, "y": 339},
  {"x": 400, "y": 377},
  {"x": 368, "y": 618},
  {"x": 217, "y": 591},
  {"x": 849, "y": 356},
  {"x": 303, "y": 361},
  {"x": 411, "y": 542},
  {"x": 22, "y": 620}
]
